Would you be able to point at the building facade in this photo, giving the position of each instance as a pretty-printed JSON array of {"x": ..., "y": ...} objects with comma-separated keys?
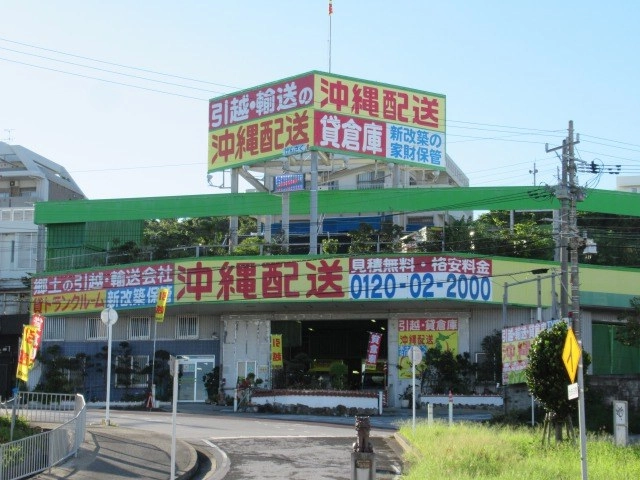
[
  {"x": 25, "y": 178},
  {"x": 225, "y": 311}
]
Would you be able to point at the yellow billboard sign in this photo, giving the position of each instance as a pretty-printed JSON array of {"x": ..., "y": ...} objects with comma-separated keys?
[
  {"x": 273, "y": 280},
  {"x": 260, "y": 139},
  {"x": 359, "y": 98},
  {"x": 424, "y": 333},
  {"x": 331, "y": 113}
]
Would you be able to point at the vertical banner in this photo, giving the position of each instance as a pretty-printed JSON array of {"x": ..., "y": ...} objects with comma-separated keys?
[
  {"x": 24, "y": 357},
  {"x": 276, "y": 351},
  {"x": 37, "y": 321},
  {"x": 161, "y": 305},
  {"x": 373, "y": 349}
]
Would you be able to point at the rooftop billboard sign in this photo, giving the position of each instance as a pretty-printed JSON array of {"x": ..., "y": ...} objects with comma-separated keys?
[{"x": 331, "y": 113}]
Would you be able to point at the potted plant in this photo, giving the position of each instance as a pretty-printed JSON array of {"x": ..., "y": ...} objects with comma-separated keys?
[{"x": 406, "y": 397}]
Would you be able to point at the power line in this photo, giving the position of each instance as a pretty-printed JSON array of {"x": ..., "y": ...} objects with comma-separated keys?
[
  {"x": 108, "y": 71},
  {"x": 117, "y": 64},
  {"x": 103, "y": 80}
]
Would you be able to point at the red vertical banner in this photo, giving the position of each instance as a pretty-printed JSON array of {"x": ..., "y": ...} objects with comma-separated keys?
[
  {"x": 37, "y": 321},
  {"x": 330, "y": 7},
  {"x": 373, "y": 349}
]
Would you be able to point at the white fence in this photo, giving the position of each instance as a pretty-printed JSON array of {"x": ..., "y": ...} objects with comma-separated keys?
[{"x": 64, "y": 414}]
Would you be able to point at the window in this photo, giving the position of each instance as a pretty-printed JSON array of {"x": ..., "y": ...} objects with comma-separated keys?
[
  {"x": 245, "y": 368},
  {"x": 139, "y": 328},
  {"x": 27, "y": 250},
  {"x": 128, "y": 371},
  {"x": 96, "y": 330},
  {"x": 371, "y": 180},
  {"x": 187, "y": 327},
  {"x": 54, "y": 328}
]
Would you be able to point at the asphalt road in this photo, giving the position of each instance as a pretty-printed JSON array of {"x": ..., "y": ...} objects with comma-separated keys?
[{"x": 272, "y": 447}]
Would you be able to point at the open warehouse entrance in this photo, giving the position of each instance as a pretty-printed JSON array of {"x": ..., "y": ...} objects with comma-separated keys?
[{"x": 311, "y": 348}]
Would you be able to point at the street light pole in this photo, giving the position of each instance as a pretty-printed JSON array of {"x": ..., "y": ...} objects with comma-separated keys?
[
  {"x": 109, "y": 317},
  {"x": 505, "y": 300}
]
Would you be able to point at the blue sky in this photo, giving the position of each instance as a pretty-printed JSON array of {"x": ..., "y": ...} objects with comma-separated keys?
[{"x": 513, "y": 75}]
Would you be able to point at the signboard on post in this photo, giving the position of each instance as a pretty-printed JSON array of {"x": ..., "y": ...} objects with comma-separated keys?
[{"x": 571, "y": 354}]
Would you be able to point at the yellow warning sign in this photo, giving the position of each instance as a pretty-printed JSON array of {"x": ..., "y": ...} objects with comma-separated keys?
[{"x": 571, "y": 355}]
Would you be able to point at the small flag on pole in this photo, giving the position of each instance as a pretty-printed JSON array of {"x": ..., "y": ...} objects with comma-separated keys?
[
  {"x": 29, "y": 333},
  {"x": 330, "y": 7},
  {"x": 161, "y": 305},
  {"x": 36, "y": 321},
  {"x": 276, "y": 351}
]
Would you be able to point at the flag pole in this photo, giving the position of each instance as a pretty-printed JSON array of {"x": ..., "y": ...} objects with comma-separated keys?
[{"x": 330, "y": 15}]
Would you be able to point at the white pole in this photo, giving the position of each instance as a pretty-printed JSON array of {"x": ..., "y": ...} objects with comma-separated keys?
[
  {"x": 109, "y": 317},
  {"x": 413, "y": 390},
  {"x": 173, "y": 418},
  {"x": 106, "y": 419}
]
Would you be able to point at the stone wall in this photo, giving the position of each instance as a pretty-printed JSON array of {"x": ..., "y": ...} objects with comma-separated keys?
[
  {"x": 618, "y": 387},
  {"x": 614, "y": 387}
]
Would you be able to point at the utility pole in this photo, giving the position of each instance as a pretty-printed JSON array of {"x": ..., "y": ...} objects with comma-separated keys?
[
  {"x": 569, "y": 193},
  {"x": 534, "y": 171}
]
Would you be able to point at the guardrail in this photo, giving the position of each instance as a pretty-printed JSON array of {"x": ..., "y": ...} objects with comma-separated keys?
[{"x": 28, "y": 456}]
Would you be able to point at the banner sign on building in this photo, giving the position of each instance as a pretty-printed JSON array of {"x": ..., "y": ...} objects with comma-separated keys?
[
  {"x": 291, "y": 279},
  {"x": 409, "y": 277},
  {"x": 516, "y": 343},
  {"x": 161, "y": 304},
  {"x": 328, "y": 113},
  {"x": 276, "y": 351},
  {"x": 425, "y": 333},
  {"x": 120, "y": 288},
  {"x": 373, "y": 350},
  {"x": 288, "y": 183}
]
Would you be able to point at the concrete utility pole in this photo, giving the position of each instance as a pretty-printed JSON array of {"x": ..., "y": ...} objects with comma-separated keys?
[
  {"x": 233, "y": 219},
  {"x": 569, "y": 193}
]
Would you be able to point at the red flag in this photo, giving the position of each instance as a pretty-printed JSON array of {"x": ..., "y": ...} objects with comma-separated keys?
[
  {"x": 373, "y": 349},
  {"x": 330, "y": 7}
]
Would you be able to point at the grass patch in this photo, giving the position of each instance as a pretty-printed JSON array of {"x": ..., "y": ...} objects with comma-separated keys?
[
  {"x": 468, "y": 451},
  {"x": 21, "y": 429}
]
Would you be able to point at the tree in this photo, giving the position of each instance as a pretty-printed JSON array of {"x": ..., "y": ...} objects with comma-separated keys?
[
  {"x": 629, "y": 333},
  {"x": 362, "y": 240},
  {"x": 547, "y": 377},
  {"x": 165, "y": 237},
  {"x": 490, "y": 369},
  {"x": 366, "y": 239},
  {"x": 61, "y": 374},
  {"x": 338, "y": 372},
  {"x": 443, "y": 371}
]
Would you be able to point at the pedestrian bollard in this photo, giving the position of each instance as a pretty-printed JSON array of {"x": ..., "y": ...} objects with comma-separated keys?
[{"x": 363, "y": 460}]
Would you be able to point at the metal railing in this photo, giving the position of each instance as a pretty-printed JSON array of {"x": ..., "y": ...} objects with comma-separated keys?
[{"x": 34, "y": 454}]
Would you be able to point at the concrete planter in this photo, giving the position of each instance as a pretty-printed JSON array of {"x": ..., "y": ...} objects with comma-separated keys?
[
  {"x": 463, "y": 400},
  {"x": 317, "y": 398}
]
